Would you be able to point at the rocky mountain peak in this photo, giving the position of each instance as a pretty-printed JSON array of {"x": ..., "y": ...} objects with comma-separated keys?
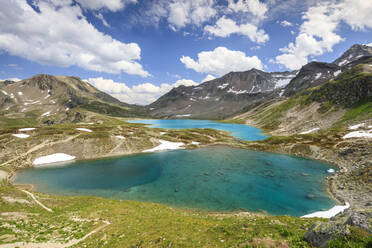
[{"x": 353, "y": 53}]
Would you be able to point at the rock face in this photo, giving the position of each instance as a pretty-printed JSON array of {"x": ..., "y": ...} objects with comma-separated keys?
[
  {"x": 311, "y": 75},
  {"x": 238, "y": 92},
  {"x": 354, "y": 53},
  {"x": 320, "y": 233},
  {"x": 222, "y": 97}
]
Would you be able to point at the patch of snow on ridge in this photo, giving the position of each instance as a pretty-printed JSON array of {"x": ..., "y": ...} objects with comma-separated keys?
[
  {"x": 84, "y": 129},
  {"x": 343, "y": 62},
  {"x": 21, "y": 135},
  {"x": 356, "y": 126},
  {"x": 236, "y": 92},
  {"x": 195, "y": 143},
  {"x": 46, "y": 114},
  {"x": 329, "y": 213},
  {"x": 358, "y": 134},
  {"x": 120, "y": 137},
  {"x": 53, "y": 158},
  {"x": 166, "y": 145},
  {"x": 282, "y": 83},
  {"x": 26, "y": 129},
  {"x": 20, "y": 93},
  {"x": 4, "y": 92},
  {"x": 336, "y": 73},
  {"x": 310, "y": 131},
  {"x": 187, "y": 115},
  {"x": 318, "y": 75},
  {"x": 223, "y": 86}
]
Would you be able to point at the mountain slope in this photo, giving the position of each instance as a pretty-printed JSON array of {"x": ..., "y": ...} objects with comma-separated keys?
[
  {"x": 339, "y": 102},
  {"x": 222, "y": 97},
  {"x": 59, "y": 99}
]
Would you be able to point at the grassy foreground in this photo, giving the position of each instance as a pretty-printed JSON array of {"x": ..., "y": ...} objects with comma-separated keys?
[{"x": 138, "y": 224}]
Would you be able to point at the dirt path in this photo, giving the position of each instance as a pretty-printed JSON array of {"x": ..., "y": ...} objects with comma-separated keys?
[
  {"x": 34, "y": 198},
  {"x": 55, "y": 245}
]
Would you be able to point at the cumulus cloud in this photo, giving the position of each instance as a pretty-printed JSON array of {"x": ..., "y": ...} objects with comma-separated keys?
[
  {"x": 142, "y": 94},
  {"x": 286, "y": 23},
  {"x": 318, "y": 32},
  {"x": 225, "y": 27},
  {"x": 180, "y": 13},
  {"x": 221, "y": 61},
  {"x": 59, "y": 34},
  {"x": 255, "y": 7},
  {"x": 112, "y": 5}
]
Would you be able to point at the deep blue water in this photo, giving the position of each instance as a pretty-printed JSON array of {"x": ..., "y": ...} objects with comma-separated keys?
[
  {"x": 238, "y": 130},
  {"x": 215, "y": 178}
]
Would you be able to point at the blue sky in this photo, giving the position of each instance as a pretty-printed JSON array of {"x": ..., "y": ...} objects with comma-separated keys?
[{"x": 138, "y": 50}]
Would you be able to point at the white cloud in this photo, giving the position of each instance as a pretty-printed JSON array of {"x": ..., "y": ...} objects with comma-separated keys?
[
  {"x": 255, "y": 7},
  {"x": 318, "y": 32},
  {"x": 142, "y": 94},
  {"x": 286, "y": 23},
  {"x": 209, "y": 77},
  {"x": 183, "y": 12},
  {"x": 112, "y": 5},
  {"x": 221, "y": 61},
  {"x": 102, "y": 19},
  {"x": 225, "y": 27},
  {"x": 60, "y": 35},
  {"x": 11, "y": 79}
]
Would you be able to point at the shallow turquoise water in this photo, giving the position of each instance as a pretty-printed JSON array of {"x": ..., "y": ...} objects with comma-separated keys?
[
  {"x": 218, "y": 178},
  {"x": 238, "y": 130}
]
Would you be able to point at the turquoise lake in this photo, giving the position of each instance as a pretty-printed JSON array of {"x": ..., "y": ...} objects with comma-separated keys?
[
  {"x": 240, "y": 131},
  {"x": 214, "y": 178}
]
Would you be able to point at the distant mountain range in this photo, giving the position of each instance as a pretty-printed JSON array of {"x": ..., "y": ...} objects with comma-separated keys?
[
  {"x": 237, "y": 92},
  {"x": 57, "y": 99}
]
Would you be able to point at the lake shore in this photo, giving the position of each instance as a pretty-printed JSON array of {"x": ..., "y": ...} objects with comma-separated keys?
[{"x": 283, "y": 147}]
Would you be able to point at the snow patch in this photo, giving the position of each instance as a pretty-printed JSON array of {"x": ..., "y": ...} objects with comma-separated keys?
[
  {"x": 310, "y": 131},
  {"x": 236, "y": 92},
  {"x": 166, "y": 145},
  {"x": 344, "y": 62},
  {"x": 84, "y": 129},
  {"x": 26, "y": 129},
  {"x": 20, "y": 93},
  {"x": 329, "y": 213},
  {"x": 4, "y": 92},
  {"x": 318, "y": 75},
  {"x": 223, "y": 86},
  {"x": 331, "y": 171},
  {"x": 282, "y": 83},
  {"x": 21, "y": 135},
  {"x": 120, "y": 137},
  {"x": 358, "y": 134},
  {"x": 187, "y": 115},
  {"x": 53, "y": 158},
  {"x": 356, "y": 126},
  {"x": 195, "y": 143},
  {"x": 46, "y": 114},
  {"x": 336, "y": 73}
]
